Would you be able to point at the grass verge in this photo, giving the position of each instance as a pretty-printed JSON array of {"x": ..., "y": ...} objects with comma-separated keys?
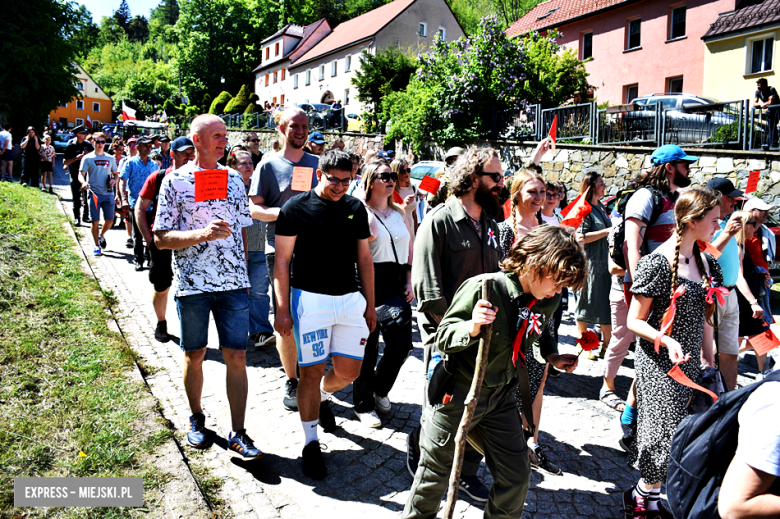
[{"x": 66, "y": 403}]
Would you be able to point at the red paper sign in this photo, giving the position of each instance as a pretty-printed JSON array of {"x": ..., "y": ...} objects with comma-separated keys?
[
  {"x": 211, "y": 184},
  {"x": 507, "y": 209},
  {"x": 301, "y": 179},
  {"x": 574, "y": 213},
  {"x": 554, "y": 132},
  {"x": 764, "y": 343},
  {"x": 397, "y": 198},
  {"x": 708, "y": 247},
  {"x": 430, "y": 184},
  {"x": 752, "y": 184},
  {"x": 678, "y": 376}
]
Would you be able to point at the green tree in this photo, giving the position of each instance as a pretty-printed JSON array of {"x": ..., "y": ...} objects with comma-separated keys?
[
  {"x": 170, "y": 108},
  {"x": 411, "y": 113},
  {"x": 219, "y": 103},
  {"x": 138, "y": 29},
  {"x": 85, "y": 33},
  {"x": 122, "y": 15},
  {"x": 110, "y": 32},
  {"x": 554, "y": 76},
  {"x": 252, "y": 107},
  {"x": 381, "y": 73},
  {"x": 37, "y": 73},
  {"x": 238, "y": 103},
  {"x": 206, "y": 104}
]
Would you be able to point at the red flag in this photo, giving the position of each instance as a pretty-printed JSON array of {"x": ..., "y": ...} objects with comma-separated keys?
[
  {"x": 554, "y": 131},
  {"x": 95, "y": 198},
  {"x": 574, "y": 213},
  {"x": 507, "y": 209},
  {"x": 397, "y": 198}
]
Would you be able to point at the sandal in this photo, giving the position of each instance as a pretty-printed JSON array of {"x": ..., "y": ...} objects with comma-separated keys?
[{"x": 612, "y": 400}]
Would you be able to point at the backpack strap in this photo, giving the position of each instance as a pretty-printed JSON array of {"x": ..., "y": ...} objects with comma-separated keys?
[{"x": 523, "y": 383}]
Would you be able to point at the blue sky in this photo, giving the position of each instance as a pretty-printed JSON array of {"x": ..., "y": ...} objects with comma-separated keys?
[{"x": 101, "y": 8}]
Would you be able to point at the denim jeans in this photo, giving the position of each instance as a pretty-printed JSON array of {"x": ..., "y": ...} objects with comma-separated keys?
[
  {"x": 259, "y": 301},
  {"x": 231, "y": 315}
]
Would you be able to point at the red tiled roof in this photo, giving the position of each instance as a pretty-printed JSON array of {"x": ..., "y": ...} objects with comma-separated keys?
[
  {"x": 554, "y": 13},
  {"x": 295, "y": 31},
  {"x": 356, "y": 29}
]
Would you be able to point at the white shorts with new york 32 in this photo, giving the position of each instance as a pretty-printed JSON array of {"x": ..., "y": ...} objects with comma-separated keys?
[{"x": 328, "y": 325}]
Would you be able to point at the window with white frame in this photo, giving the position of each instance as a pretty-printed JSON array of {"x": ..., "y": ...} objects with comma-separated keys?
[
  {"x": 634, "y": 34},
  {"x": 442, "y": 34},
  {"x": 423, "y": 30},
  {"x": 79, "y": 122},
  {"x": 347, "y": 63},
  {"x": 308, "y": 77},
  {"x": 346, "y": 96},
  {"x": 677, "y": 22},
  {"x": 334, "y": 67},
  {"x": 295, "y": 81},
  {"x": 79, "y": 105},
  {"x": 95, "y": 107},
  {"x": 761, "y": 53},
  {"x": 322, "y": 72}
]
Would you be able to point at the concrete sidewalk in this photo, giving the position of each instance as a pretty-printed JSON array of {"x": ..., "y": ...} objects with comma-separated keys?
[{"x": 367, "y": 467}]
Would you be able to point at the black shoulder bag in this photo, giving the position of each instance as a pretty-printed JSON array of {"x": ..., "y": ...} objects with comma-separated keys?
[{"x": 396, "y": 311}]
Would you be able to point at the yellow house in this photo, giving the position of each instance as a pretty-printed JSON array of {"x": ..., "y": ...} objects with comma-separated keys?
[
  {"x": 740, "y": 49},
  {"x": 92, "y": 102}
]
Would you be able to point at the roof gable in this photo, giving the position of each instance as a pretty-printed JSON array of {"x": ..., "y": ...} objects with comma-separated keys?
[
  {"x": 356, "y": 29},
  {"x": 554, "y": 13},
  {"x": 747, "y": 15},
  {"x": 290, "y": 29},
  {"x": 304, "y": 34}
]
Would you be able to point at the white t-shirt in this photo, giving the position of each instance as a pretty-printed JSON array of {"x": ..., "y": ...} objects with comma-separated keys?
[
  {"x": 381, "y": 248},
  {"x": 759, "y": 429},
  {"x": 551, "y": 220},
  {"x": 211, "y": 266}
]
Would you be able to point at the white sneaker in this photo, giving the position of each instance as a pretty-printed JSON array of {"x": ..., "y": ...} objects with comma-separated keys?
[
  {"x": 369, "y": 419},
  {"x": 382, "y": 404}
]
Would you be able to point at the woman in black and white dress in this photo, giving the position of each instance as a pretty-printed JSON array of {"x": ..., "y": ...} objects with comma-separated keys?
[
  {"x": 678, "y": 268},
  {"x": 390, "y": 246}
]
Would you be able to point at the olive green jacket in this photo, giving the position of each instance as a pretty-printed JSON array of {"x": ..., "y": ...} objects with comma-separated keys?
[
  {"x": 453, "y": 338},
  {"x": 447, "y": 252}
]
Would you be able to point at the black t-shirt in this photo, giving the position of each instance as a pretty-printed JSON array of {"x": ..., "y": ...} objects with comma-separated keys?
[
  {"x": 74, "y": 150},
  {"x": 764, "y": 98},
  {"x": 325, "y": 251}
]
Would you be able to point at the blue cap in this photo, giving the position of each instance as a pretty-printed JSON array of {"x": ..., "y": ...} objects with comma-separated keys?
[
  {"x": 316, "y": 138},
  {"x": 669, "y": 153},
  {"x": 181, "y": 144}
]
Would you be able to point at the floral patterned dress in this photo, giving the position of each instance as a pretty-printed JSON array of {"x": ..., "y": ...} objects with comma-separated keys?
[{"x": 662, "y": 402}]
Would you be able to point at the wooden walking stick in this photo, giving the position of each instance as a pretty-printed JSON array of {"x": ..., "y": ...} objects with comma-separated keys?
[{"x": 470, "y": 406}]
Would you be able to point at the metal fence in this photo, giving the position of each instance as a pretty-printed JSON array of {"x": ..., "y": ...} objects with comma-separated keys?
[{"x": 319, "y": 120}]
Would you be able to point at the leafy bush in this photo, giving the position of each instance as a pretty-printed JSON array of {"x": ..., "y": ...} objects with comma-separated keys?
[
  {"x": 219, "y": 103},
  {"x": 238, "y": 103},
  {"x": 253, "y": 107},
  {"x": 206, "y": 104},
  {"x": 170, "y": 108}
]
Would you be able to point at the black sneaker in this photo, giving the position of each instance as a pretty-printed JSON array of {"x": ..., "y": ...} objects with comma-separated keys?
[
  {"x": 290, "y": 400},
  {"x": 263, "y": 339},
  {"x": 85, "y": 218},
  {"x": 102, "y": 242},
  {"x": 241, "y": 445},
  {"x": 473, "y": 487},
  {"x": 138, "y": 266},
  {"x": 540, "y": 462},
  {"x": 129, "y": 243},
  {"x": 197, "y": 435},
  {"x": 327, "y": 420},
  {"x": 76, "y": 221},
  {"x": 552, "y": 372},
  {"x": 161, "y": 332},
  {"x": 629, "y": 435},
  {"x": 313, "y": 464},
  {"x": 412, "y": 453}
]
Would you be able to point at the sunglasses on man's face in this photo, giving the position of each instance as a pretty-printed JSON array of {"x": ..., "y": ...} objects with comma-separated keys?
[
  {"x": 388, "y": 177},
  {"x": 495, "y": 177},
  {"x": 100, "y": 142},
  {"x": 253, "y": 140},
  {"x": 333, "y": 181}
]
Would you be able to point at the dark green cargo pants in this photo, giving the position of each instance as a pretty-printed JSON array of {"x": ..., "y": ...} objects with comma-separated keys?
[{"x": 506, "y": 454}]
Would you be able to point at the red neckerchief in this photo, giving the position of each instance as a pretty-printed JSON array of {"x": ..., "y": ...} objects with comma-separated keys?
[{"x": 517, "y": 345}]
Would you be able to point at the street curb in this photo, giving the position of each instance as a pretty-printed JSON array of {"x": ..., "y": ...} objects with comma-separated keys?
[{"x": 182, "y": 495}]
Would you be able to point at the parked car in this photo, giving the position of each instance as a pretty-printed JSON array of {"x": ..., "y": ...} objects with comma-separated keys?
[
  {"x": 426, "y": 168},
  {"x": 690, "y": 119},
  {"x": 355, "y": 123},
  {"x": 313, "y": 107},
  {"x": 60, "y": 141}
]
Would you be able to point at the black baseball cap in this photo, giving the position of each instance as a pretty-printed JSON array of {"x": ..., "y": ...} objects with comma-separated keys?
[
  {"x": 725, "y": 187},
  {"x": 181, "y": 143},
  {"x": 165, "y": 138},
  {"x": 80, "y": 129},
  {"x": 144, "y": 139}
]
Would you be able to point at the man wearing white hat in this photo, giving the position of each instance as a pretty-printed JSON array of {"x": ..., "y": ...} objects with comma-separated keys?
[{"x": 760, "y": 210}]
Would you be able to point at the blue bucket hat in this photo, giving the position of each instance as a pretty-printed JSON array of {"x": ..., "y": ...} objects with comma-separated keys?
[{"x": 669, "y": 153}]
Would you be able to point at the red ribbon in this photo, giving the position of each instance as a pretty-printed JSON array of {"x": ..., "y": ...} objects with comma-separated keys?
[
  {"x": 666, "y": 324},
  {"x": 517, "y": 345},
  {"x": 719, "y": 292},
  {"x": 678, "y": 376}
]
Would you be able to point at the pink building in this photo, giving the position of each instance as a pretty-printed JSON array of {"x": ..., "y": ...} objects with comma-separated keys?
[{"x": 636, "y": 47}]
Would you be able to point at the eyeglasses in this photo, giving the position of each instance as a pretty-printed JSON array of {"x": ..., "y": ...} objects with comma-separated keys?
[
  {"x": 753, "y": 223},
  {"x": 253, "y": 140},
  {"x": 553, "y": 196},
  {"x": 495, "y": 177},
  {"x": 333, "y": 181},
  {"x": 100, "y": 142},
  {"x": 388, "y": 177}
]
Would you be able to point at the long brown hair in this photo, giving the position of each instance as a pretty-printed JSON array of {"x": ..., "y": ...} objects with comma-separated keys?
[
  {"x": 589, "y": 181},
  {"x": 548, "y": 251},
  {"x": 655, "y": 176},
  {"x": 693, "y": 205}
]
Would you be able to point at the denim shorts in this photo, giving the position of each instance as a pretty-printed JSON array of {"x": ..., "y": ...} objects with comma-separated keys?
[
  {"x": 98, "y": 203},
  {"x": 231, "y": 315}
]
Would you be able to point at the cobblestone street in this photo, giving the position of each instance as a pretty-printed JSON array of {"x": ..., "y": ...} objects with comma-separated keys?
[{"x": 368, "y": 477}]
